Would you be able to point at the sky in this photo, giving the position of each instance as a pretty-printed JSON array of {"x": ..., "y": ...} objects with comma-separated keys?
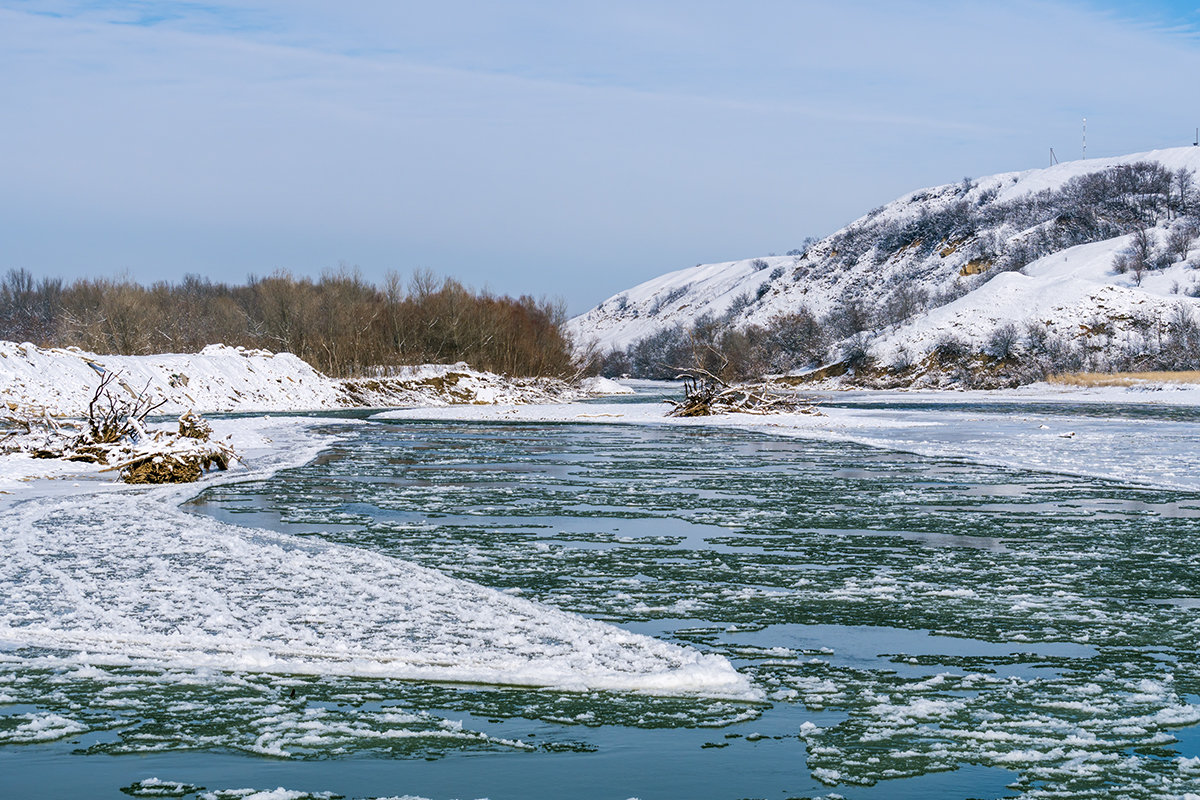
[{"x": 538, "y": 147}]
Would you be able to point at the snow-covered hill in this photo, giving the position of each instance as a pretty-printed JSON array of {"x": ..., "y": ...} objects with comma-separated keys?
[{"x": 961, "y": 260}]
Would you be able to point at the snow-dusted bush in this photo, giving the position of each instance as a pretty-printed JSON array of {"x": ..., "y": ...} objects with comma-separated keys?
[
  {"x": 903, "y": 303},
  {"x": 738, "y": 305},
  {"x": 665, "y": 299},
  {"x": 951, "y": 348},
  {"x": 1180, "y": 238},
  {"x": 1003, "y": 343},
  {"x": 851, "y": 315},
  {"x": 857, "y": 355}
]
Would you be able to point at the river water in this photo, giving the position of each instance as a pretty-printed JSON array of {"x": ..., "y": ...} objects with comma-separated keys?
[{"x": 912, "y": 625}]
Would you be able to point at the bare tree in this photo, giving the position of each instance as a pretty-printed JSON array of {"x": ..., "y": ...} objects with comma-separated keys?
[
  {"x": 1180, "y": 238},
  {"x": 1137, "y": 257}
]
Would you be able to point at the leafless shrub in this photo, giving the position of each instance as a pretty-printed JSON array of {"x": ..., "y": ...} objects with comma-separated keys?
[
  {"x": 1003, "y": 343},
  {"x": 113, "y": 418},
  {"x": 1180, "y": 237}
]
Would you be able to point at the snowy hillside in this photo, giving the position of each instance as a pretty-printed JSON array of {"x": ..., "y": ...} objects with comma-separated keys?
[
  {"x": 222, "y": 378},
  {"x": 1033, "y": 248}
]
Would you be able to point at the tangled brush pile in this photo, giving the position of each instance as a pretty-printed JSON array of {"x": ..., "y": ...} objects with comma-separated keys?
[{"x": 115, "y": 433}]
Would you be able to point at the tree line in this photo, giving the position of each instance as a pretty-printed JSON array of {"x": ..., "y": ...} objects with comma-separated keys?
[{"x": 340, "y": 323}]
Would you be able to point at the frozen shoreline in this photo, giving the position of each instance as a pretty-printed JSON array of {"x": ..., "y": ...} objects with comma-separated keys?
[
  {"x": 61, "y": 382},
  {"x": 1146, "y": 452}
]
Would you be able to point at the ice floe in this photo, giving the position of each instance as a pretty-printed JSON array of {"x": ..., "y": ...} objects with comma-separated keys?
[{"x": 126, "y": 575}]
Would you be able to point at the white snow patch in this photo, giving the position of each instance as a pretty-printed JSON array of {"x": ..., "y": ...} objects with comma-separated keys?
[{"x": 599, "y": 387}]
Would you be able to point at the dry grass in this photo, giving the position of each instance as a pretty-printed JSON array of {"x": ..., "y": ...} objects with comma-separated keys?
[{"x": 1124, "y": 378}]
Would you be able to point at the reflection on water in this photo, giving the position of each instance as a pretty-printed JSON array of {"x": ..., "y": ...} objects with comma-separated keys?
[{"x": 921, "y": 627}]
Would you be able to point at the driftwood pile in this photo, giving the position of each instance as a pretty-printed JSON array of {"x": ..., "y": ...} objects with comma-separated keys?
[
  {"x": 176, "y": 458},
  {"x": 705, "y": 394},
  {"x": 115, "y": 433}
]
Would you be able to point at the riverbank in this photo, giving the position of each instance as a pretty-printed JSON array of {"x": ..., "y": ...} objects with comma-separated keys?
[{"x": 233, "y": 379}]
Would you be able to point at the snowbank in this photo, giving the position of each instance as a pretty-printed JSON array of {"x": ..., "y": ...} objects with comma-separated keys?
[
  {"x": 218, "y": 378},
  {"x": 600, "y": 387},
  {"x": 222, "y": 378}
]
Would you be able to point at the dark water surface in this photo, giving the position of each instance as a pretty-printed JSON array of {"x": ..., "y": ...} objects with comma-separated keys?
[{"x": 920, "y": 627}]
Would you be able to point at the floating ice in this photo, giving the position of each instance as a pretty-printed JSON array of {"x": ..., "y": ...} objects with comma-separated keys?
[
  {"x": 155, "y": 787},
  {"x": 39, "y": 727}
]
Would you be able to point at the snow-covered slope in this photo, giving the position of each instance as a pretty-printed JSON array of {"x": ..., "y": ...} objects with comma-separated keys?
[
  {"x": 1066, "y": 288},
  {"x": 1069, "y": 292}
]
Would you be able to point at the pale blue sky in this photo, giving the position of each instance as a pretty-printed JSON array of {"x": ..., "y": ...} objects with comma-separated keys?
[{"x": 569, "y": 149}]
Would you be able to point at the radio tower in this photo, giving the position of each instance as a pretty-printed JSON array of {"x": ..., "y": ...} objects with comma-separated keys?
[{"x": 1085, "y": 137}]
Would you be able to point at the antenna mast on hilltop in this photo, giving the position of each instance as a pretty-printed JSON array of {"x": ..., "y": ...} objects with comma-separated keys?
[
  {"x": 1053, "y": 158},
  {"x": 1085, "y": 137},
  {"x": 1197, "y": 142}
]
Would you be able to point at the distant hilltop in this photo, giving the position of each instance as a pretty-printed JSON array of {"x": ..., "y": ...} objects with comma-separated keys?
[{"x": 1086, "y": 265}]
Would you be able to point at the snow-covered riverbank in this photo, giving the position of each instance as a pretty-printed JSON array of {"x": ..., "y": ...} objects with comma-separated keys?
[{"x": 221, "y": 378}]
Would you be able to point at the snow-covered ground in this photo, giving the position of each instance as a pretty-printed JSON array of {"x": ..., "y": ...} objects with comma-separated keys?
[
  {"x": 222, "y": 378},
  {"x": 219, "y": 378},
  {"x": 120, "y": 575}
]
